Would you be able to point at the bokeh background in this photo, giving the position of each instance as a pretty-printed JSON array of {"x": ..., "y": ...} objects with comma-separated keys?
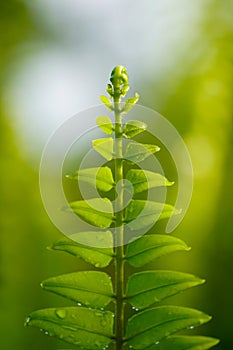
[{"x": 55, "y": 60}]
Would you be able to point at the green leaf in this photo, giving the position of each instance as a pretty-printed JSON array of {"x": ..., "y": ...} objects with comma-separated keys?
[
  {"x": 129, "y": 103},
  {"x": 150, "y": 326},
  {"x": 106, "y": 102},
  {"x": 86, "y": 210},
  {"x": 137, "y": 152},
  {"x": 88, "y": 251},
  {"x": 185, "y": 343},
  {"x": 87, "y": 328},
  {"x": 142, "y": 213},
  {"x": 146, "y": 288},
  {"x": 104, "y": 147},
  {"x": 142, "y": 180},
  {"x": 90, "y": 288},
  {"x": 100, "y": 178},
  {"x": 133, "y": 128},
  {"x": 149, "y": 247},
  {"x": 105, "y": 124}
]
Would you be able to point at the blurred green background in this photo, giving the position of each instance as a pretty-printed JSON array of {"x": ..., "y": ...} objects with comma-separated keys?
[{"x": 55, "y": 60}]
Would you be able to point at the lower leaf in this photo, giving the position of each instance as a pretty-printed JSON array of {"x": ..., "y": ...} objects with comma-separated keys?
[
  {"x": 185, "y": 343},
  {"x": 87, "y": 328},
  {"x": 151, "y": 326}
]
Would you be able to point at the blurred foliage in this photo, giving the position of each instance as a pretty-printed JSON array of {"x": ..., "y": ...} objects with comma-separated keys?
[{"x": 196, "y": 96}]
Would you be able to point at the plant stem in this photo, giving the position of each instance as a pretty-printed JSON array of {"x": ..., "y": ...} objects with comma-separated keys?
[{"x": 119, "y": 232}]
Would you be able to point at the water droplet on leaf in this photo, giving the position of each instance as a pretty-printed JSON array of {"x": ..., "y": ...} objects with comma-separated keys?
[{"x": 60, "y": 313}]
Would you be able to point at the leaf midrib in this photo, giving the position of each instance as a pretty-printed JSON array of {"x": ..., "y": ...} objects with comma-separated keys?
[{"x": 68, "y": 286}]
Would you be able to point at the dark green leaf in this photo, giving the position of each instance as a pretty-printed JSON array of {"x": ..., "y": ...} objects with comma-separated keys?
[
  {"x": 185, "y": 343},
  {"x": 104, "y": 147},
  {"x": 142, "y": 213},
  {"x": 88, "y": 251},
  {"x": 146, "y": 288},
  {"x": 150, "y": 247},
  {"x": 100, "y": 178},
  {"x": 142, "y": 180},
  {"x": 151, "y": 326},
  {"x": 105, "y": 124},
  {"x": 90, "y": 288},
  {"x": 130, "y": 102},
  {"x": 106, "y": 102},
  {"x": 86, "y": 210},
  {"x": 137, "y": 152},
  {"x": 133, "y": 128},
  {"x": 87, "y": 328}
]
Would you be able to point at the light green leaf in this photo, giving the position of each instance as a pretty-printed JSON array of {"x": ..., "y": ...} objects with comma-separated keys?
[
  {"x": 130, "y": 103},
  {"x": 149, "y": 247},
  {"x": 185, "y": 343},
  {"x": 90, "y": 288},
  {"x": 104, "y": 147},
  {"x": 137, "y": 152},
  {"x": 143, "y": 180},
  {"x": 150, "y": 326},
  {"x": 88, "y": 251},
  {"x": 86, "y": 210},
  {"x": 148, "y": 287},
  {"x": 106, "y": 102},
  {"x": 86, "y": 328},
  {"x": 100, "y": 178},
  {"x": 105, "y": 124},
  {"x": 142, "y": 213},
  {"x": 133, "y": 128}
]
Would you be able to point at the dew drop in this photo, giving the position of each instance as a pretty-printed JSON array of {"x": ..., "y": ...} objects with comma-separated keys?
[
  {"x": 60, "y": 313},
  {"x": 46, "y": 333},
  {"x": 157, "y": 342},
  {"x": 192, "y": 327},
  {"x": 79, "y": 304},
  {"x": 135, "y": 309}
]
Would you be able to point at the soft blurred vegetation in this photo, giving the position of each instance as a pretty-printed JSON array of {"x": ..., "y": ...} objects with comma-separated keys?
[{"x": 195, "y": 94}]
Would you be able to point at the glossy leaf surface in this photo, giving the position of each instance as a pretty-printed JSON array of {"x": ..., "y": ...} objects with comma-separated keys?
[
  {"x": 87, "y": 328},
  {"x": 149, "y": 287},
  {"x": 153, "y": 325},
  {"x": 137, "y": 152},
  {"x": 133, "y": 128},
  {"x": 149, "y": 247},
  {"x": 86, "y": 210},
  {"x": 143, "y": 180},
  {"x": 105, "y": 124},
  {"x": 91, "y": 249},
  {"x": 141, "y": 213},
  {"x": 106, "y": 102},
  {"x": 130, "y": 103},
  {"x": 104, "y": 147},
  {"x": 100, "y": 178},
  {"x": 89, "y": 288}
]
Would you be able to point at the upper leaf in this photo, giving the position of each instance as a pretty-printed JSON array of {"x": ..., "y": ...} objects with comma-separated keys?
[
  {"x": 90, "y": 288},
  {"x": 142, "y": 213},
  {"x": 151, "y": 326},
  {"x": 133, "y": 128},
  {"x": 130, "y": 102},
  {"x": 142, "y": 180},
  {"x": 87, "y": 328},
  {"x": 137, "y": 152},
  {"x": 104, "y": 147},
  {"x": 100, "y": 178},
  {"x": 105, "y": 124},
  {"x": 106, "y": 102},
  {"x": 185, "y": 343},
  {"x": 86, "y": 210},
  {"x": 150, "y": 247},
  {"x": 99, "y": 257},
  {"x": 146, "y": 288}
]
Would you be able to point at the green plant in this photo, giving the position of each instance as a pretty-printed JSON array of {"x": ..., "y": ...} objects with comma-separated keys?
[{"x": 93, "y": 323}]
